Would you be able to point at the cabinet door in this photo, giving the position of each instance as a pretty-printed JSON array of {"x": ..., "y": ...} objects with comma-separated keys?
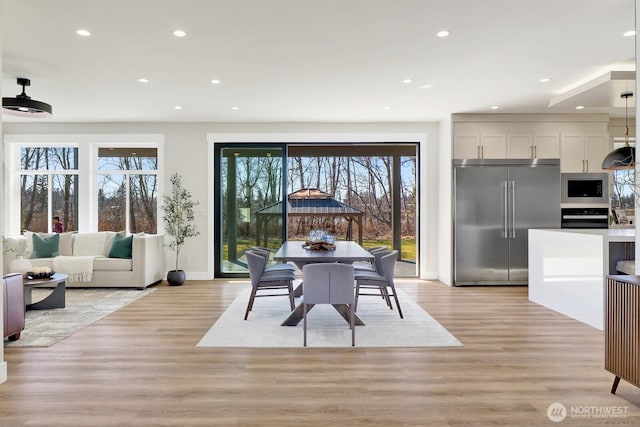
[
  {"x": 572, "y": 153},
  {"x": 596, "y": 148},
  {"x": 546, "y": 146},
  {"x": 493, "y": 146},
  {"x": 520, "y": 146},
  {"x": 466, "y": 147}
]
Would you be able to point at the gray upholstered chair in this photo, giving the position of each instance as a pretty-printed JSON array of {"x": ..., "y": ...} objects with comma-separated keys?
[
  {"x": 266, "y": 253},
  {"x": 328, "y": 283},
  {"x": 381, "y": 281},
  {"x": 14, "y": 308},
  {"x": 262, "y": 280}
]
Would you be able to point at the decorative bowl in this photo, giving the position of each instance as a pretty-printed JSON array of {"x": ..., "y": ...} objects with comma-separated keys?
[{"x": 32, "y": 275}]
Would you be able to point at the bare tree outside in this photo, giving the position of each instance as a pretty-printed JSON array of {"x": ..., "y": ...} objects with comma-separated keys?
[
  {"x": 128, "y": 189},
  {"x": 48, "y": 187}
]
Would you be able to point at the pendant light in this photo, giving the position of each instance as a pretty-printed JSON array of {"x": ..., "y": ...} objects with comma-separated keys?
[
  {"x": 22, "y": 105},
  {"x": 623, "y": 157}
]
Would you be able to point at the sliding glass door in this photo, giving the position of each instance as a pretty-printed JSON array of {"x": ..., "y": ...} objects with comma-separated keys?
[{"x": 249, "y": 195}]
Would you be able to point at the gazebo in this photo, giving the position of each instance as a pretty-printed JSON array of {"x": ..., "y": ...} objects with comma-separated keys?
[{"x": 310, "y": 203}]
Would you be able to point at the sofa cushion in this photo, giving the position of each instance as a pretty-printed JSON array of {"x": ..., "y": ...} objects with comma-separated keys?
[
  {"x": 66, "y": 244},
  {"x": 45, "y": 247},
  {"x": 89, "y": 244},
  {"x": 112, "y": 264},
  {"x": 121, "y": 246}
]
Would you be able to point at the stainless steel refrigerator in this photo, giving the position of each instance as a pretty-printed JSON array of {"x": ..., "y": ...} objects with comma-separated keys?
[{"x": 495, "y": 203}]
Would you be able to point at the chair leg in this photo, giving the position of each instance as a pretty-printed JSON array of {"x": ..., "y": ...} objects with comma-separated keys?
[
  {"x": 250, "y": 305},
  {"x": 304, "y": 323},
  {"x": 395, "y": 297},
  {"x": 353, "y": 327},
  {"x": 355, "y": 304},
  {"x": 291, "y": 300},
  {"x": 385, "y": 296}
]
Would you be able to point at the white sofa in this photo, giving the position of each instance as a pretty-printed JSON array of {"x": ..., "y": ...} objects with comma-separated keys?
[{"x": 145, "y": 267}]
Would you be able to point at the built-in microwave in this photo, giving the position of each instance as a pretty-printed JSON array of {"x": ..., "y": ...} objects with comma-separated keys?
[{"x": 585, "y": 188}]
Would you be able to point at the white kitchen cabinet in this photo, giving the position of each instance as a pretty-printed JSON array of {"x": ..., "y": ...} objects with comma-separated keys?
[
  {"x": 483, "y": 146},
  {"x": 533, "y": 146},
  {"x": 583, "y": 152}
]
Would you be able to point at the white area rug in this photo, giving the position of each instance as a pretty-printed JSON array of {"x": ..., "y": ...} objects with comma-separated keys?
[
  {"x": 326, "y": 328},
  {"x": 83, "y": 307}
]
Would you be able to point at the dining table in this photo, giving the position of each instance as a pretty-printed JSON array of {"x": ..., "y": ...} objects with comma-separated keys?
[{"x": 300, "y": 253}]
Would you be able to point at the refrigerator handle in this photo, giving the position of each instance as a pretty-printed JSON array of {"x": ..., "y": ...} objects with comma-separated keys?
[
  {"x": 506, "y": 210},
  {"x": 513, "y": 209}
]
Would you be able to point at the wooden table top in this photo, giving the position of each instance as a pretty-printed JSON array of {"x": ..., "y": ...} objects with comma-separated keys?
[
  {"x": 56, "y": 278},
  {"x": 345, "y": 252}
]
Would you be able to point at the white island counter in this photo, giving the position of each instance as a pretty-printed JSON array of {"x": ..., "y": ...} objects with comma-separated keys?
[{"x": 568, "y": 268}]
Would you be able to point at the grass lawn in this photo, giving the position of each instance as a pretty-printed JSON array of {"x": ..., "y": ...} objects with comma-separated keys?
[{"x": 408, "y": 246}]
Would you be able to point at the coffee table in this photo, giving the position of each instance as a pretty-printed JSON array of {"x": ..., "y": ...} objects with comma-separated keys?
[{"x": 56, "y": 299}]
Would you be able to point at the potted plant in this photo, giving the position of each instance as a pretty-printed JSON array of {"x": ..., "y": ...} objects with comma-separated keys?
[{"x": 178, "y": 223}]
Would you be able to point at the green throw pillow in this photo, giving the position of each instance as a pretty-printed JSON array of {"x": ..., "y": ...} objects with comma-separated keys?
[
  {"x": 45, "y": 247},
  {"x": 121, "y": 247}
]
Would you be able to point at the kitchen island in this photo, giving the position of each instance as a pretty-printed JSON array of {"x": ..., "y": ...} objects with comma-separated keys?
[{"x": 568, "y": 269}]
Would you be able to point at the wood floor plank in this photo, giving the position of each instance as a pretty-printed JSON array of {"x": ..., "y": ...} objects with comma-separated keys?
[{"x": 140, "y": 367}]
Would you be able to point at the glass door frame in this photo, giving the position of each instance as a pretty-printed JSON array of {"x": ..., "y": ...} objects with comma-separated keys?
[{"x": 218, "y": 202}]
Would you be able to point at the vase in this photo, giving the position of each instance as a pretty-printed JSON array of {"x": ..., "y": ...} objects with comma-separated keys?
[
  {"x": 176, "y": 277},
  {"x": 20, "y": 265}
]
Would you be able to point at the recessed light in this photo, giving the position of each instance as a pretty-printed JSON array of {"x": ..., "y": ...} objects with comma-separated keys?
[
  {"x": 426, "y": 86},
  {"x": 629, "y": 33},
  {"x": 235, "y": 107},
  {"x": 177, "y": 107},
  {"x": 82, "y": 32},
  {"x": 545, "y": 80},
  {"x": 387, "y": 108},
  {"x": 215, "y": 82},
  {"x": 179, "y": 33},
  {"x": 407, "y": 81},
  {"x": 580, "y": 107},
  {"x": 143, "y": 80},
  {"x": 23, "y": 109},
  {"x": 443, "y": 33},
  {"x": 494, "y": 107}
]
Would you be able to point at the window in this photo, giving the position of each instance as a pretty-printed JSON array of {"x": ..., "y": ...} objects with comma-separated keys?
[
  {"x": 127, "y": 189},
  {"x": 48, "y": 187}
]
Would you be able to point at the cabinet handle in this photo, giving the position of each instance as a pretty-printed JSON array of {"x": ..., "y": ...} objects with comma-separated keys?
[
  {"x": 587, "y": 162},
  {"x": 583, "y": 166},
  {"x": 482, "y": 151},
  {"x": 479, "y": 152},
  {"x": 535, "y": 151},
  {"x": 531, "y": 151}
]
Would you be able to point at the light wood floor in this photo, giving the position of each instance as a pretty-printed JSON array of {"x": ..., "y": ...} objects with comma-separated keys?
[{"x": 140, "y": 367}]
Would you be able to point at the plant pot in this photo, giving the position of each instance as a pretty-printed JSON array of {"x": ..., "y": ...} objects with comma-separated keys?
[{"x": 176, "y": 277}]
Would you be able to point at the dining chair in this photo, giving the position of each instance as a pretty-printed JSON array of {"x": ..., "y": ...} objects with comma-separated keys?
[
  {"x": 370, "y": 265},
  {"x": 262, "y": 280},
  {"x": 266, "y": 253},
  {"x": 381, "y": 281},
  {"x": 328, "y": 283}
]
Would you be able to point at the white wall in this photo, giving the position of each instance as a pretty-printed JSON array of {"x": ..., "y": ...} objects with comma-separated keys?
[
  {"x": 445, "y": 249},
  {"x": 3, "y": 364},
  {"x": 187, "y": 152}
]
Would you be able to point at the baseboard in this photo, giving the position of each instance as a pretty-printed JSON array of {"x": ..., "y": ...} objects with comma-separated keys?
[
  {"x": 429, "y": 275},
  {"x": 3, "y": 372},
  {"x": 199, "y": 275}
]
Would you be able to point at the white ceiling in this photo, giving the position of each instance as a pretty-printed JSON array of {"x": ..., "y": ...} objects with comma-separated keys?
[{"x": 309, "y": 60}]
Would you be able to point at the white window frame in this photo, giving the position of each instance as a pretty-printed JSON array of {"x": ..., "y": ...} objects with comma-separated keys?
[
  {"x": 49, "y": 173},
  {"x": 127, "y": 175},
  {"x": 87, "y": 166}
]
